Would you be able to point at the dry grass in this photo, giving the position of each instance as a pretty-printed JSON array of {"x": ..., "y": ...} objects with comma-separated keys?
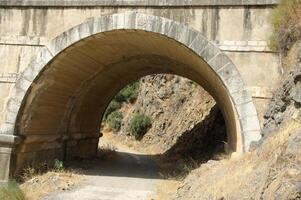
[
  {"x": 287, "y": 25},
  {"x": 41, "y": 185},
  {"x": 40, "y": 179},
  {"x": 165, "y": 189},
  {"x": 252, "y": 173}
]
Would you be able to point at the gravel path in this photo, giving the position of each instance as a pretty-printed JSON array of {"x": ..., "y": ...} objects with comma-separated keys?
[{"x": 125, "y": 176}]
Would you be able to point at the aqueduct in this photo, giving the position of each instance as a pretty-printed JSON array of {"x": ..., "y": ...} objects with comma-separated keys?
[{"x": 54, "y": 108}]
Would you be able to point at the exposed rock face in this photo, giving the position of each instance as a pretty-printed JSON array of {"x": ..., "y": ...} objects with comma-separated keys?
[
  {"x": 285, "y": 103},
  {"x": 174, "y": 104}
]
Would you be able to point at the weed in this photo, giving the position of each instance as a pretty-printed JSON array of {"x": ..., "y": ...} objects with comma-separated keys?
[{"x": 58, "y": 165}]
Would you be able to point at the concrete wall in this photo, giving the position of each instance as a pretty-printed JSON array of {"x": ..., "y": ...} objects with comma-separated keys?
[{"x": 241, "y": 31}]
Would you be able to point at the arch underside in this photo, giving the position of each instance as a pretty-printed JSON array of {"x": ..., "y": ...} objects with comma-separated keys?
[{"x": 62, "y": 96}]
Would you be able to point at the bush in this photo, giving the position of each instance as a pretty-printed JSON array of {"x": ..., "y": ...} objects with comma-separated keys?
[
  {"x": 114, "y": 120},
  {"x": 129, "y": 93},
  {"x": 113, "y": 106},
  {"x": 286, "y": 24},
  {"x": 139, "y": 125},
  {"x": 11, "y": 191}
]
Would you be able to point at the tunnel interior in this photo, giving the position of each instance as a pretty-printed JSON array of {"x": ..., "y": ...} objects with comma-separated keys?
[{"x": 60, "y": 115}]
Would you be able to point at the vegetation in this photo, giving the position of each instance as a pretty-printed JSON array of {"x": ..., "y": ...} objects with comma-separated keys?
[
  {"x": 128, "y": 94},
  {"x": 11, "y": 191},
  {"x": 139, "y": 125},
  {"x": 113, "y": 117},
  {"x": 286, "y": 24},
  {"x": 114, "y": 120},
  {"x": 38, "y": 168},
  {"x": 58, "y": 165},
  {"x": 113, "y": 106}
]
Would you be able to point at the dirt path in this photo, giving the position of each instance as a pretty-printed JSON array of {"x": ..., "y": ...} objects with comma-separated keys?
[{"x": 124, "y": 175}]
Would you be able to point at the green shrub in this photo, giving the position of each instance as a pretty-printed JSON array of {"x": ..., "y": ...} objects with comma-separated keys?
[
  {"x": 58, "y": 165},
  {"x": 11, "y": 191},
  {"x": 139, "y": 125},
  {"x": 286, "y": 24},
  {"x": 114, "y": 120},
  {"x": 129, "y": 93},
  {"x": 113, "y": 106}
]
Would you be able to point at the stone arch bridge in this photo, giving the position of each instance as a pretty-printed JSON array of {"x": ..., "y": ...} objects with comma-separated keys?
[{"x": 62, "y": 62}]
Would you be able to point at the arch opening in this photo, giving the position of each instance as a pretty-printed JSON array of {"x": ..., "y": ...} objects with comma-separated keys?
[
  {"x": 170, "y": 119},
  {"x": 63, "y": 95}
]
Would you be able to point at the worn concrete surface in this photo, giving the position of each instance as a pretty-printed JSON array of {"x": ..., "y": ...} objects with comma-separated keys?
[{"x": 127, "y": 175}]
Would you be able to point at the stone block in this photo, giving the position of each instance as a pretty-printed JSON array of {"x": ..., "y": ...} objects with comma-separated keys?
[
  {"x": 246, "y": 109},
  {"x": 209, "y": 52},
  {"x": 198, "y": 44},
  {"x": 249, "y": 137},
  {"x": 241, "y": 97},
  {"x": 10, "y": 117},
  {"x": 186, "y": 36},
  {"x": 13, "y": 105},
  {"x": 227, "y": 71},
  {"x": 42, "y": 58},
  {"x": 118, "y": 21},
  {"x": 250, "y": 123},
  {"x": 219, "y": 61},
  {"x": 129, "y": 20},
  {"x": 235, "y": 84},
  {"x": 17, "y": 94},
  {"x": 23, "y": 83},
  {"x": 7, "y": 129},
  {"x": 29, "y": 74}
]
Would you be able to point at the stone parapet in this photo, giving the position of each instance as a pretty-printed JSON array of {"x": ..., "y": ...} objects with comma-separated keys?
[{"x": 152, "y": 3}]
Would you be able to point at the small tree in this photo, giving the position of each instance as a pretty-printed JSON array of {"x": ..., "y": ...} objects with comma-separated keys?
[
  {"x": 114, "y": 120},
  {"x": 139, "y": 125}
]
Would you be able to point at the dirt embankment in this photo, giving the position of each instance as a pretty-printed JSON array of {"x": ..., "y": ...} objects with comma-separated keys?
[{"x": 272, "y": 171}]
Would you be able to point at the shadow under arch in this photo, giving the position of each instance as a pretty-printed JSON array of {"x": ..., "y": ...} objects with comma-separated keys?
[{"x": 58, "y": 101}]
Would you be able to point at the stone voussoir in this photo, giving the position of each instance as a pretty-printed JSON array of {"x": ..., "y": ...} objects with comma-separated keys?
[
  {"x": 246, "y": 109},
  {"x": 218, "y": 62},
  {"x": 241, "y": 97},
  {"x": 250, "y": 123},
  {"x": 227, "y": 71}
]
